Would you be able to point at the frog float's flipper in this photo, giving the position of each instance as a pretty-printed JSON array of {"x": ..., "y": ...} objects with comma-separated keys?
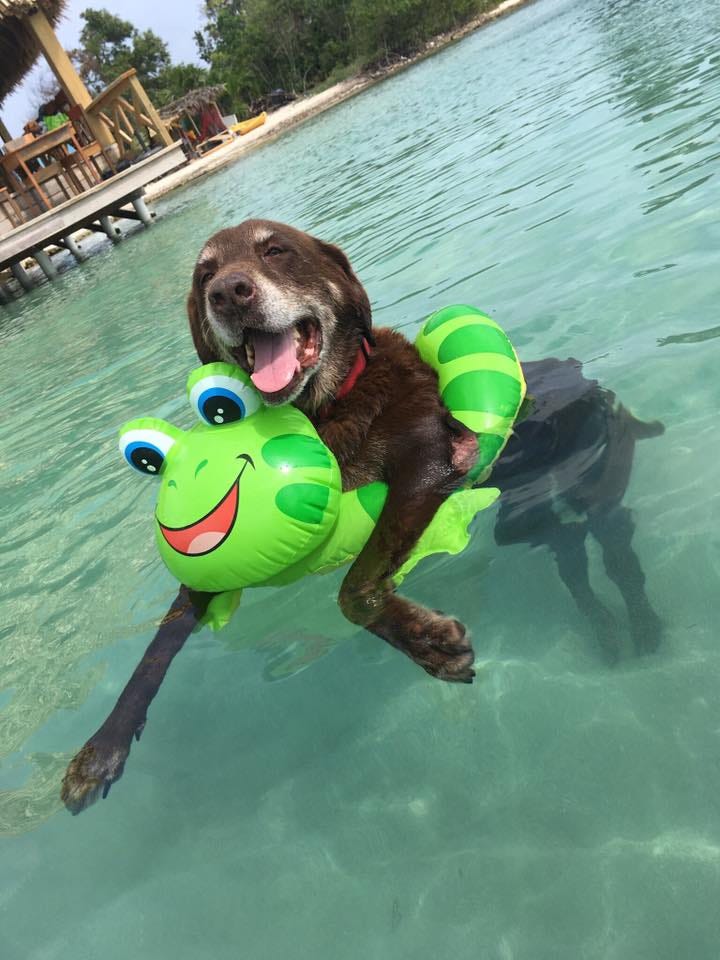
[
  {"x": 220, "y": 609},
  {"x": 449, "y": 530},
  {"x": 359, "y": 512}
]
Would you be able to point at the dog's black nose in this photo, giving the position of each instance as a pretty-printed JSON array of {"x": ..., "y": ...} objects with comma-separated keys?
[{"x": 234, "y": 289}]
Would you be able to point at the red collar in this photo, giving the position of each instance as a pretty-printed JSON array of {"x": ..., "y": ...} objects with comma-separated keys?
[{"x": 358, "y": 367}]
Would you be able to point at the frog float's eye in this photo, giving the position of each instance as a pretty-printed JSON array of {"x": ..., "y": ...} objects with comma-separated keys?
[
  {"x": 146, "y": 443},
  {"x": 220, "y": 393}
]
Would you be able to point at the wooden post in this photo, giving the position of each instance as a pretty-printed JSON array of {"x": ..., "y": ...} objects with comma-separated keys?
[
  {"x": 67, "y": 76},
  {"x": 110, "y": 231},
  {"x": 22, "y": 277},
  {"x": 74, "y": 248},
  {"x": 142, "y": 211},
  {"x": 45, "y": 264},
  {"x": 141, "y": 97},
  {"x": 4, "y": 132}
]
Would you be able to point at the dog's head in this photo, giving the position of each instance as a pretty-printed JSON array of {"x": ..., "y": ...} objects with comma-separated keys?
[{"x": 283, "y": 305}]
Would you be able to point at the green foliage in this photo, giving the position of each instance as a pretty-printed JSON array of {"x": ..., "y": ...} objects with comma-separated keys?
[
  {"x": 254, "y": 46},
  {"x": 176, "y": 80},
  {"x": 110, "y": 46},
  {"x": 400, "y": 26}
]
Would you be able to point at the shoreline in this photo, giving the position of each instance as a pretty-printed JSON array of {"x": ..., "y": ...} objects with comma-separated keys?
[{"x": 295, "y": 113}]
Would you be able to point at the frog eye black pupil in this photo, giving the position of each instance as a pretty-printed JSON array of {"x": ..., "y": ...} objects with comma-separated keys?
[
  {"x": 147, "y": 459},
  {"x": 221, "y": 410}
]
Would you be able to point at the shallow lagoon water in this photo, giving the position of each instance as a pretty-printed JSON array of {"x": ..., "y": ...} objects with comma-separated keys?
[{"x": 302, "y": 791}]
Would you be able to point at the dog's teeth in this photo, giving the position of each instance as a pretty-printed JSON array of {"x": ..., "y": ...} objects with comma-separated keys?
[{"x": 250, "y": 354}]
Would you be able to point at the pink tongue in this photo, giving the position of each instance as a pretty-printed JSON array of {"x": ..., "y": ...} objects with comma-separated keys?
[{"x": 275, "y": 360}]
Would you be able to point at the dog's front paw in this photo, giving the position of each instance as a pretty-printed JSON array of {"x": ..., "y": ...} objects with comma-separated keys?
[
  {"x": 93, "y": 770},
  {"x": 440, "y": 646}
]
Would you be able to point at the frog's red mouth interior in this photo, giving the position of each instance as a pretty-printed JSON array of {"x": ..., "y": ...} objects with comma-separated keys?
[{"x": 206, "y": 534}]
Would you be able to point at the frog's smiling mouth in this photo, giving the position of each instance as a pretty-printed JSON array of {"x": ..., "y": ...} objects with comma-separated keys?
[{"x": 205, "y": 535}]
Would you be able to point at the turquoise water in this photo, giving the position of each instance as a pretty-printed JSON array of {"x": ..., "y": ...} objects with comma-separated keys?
[{"x": 302, "y": 791}]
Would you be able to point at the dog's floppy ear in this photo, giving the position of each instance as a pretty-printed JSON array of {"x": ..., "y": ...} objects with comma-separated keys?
[
  {"x": 338, "y": 256},
  {"x": 359, "y": 297},
  {"x": 199, "y": 330}
]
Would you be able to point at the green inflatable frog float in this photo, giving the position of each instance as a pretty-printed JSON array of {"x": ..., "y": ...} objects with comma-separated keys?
[{"x": 250, "y": 496}]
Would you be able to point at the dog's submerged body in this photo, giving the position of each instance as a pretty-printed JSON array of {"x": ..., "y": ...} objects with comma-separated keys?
[{"x": 289, "y": 309}]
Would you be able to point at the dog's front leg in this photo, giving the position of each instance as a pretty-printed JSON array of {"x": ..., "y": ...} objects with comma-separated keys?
[
  {"x": 437, "y": 643},
  {"x": 94, "y": 769}
]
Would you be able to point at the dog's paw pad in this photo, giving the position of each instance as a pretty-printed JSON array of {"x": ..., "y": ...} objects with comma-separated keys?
[
  {"x": 90, "y": 774},
  {"x": 444, "y": 650}
]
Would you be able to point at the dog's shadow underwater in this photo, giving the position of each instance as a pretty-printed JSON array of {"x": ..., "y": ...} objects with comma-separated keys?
[{"x": 563, "y": 476}]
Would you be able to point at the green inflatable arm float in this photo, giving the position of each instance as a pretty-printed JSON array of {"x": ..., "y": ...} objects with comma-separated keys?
[{"x": 250, "y": 496}]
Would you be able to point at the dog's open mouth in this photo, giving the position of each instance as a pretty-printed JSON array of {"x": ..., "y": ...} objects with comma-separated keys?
[{"x": 277, "y": 362}]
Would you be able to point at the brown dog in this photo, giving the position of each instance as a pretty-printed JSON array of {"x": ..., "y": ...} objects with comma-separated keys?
[{"x": 289, "y": 309}]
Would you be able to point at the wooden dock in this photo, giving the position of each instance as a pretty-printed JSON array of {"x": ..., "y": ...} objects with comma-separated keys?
[{"x": 121, "y": 196}]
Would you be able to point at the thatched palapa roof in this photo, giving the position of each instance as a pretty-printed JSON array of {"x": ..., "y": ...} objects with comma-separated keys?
[
  {"x": 18, "y": 47},
  {"x": 192, "y": 102}
]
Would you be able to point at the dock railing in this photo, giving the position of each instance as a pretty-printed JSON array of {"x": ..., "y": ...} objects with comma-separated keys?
[{"x": 127, "y": 113}]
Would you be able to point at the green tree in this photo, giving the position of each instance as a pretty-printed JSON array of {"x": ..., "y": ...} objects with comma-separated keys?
[
  {"x": 222, "y": 45},
  {"x": 255, "y": 45},
  {"x": 110, "y": 45},
  {"x": 177, "y": 79},
  {"x": 385, "y": 27}
]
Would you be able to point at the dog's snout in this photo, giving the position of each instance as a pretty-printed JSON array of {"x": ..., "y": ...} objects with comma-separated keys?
[
  {"x": 234, "y": 289},
  {"x": 242, "y": 286}
]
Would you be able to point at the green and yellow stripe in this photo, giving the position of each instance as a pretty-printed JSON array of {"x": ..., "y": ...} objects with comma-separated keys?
[{"x": 481, "y": 380}]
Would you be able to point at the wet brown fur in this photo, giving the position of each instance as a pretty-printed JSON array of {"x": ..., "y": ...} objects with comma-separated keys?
[{"x": 314, "y": 272}]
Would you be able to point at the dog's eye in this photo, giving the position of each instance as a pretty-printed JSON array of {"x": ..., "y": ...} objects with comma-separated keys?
[
  {"x": 274, "y": 251},
  {"x": 145, "y": 449},
  {"x": 219, "y": 399},
  {"x": 206, "y": 277}
]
